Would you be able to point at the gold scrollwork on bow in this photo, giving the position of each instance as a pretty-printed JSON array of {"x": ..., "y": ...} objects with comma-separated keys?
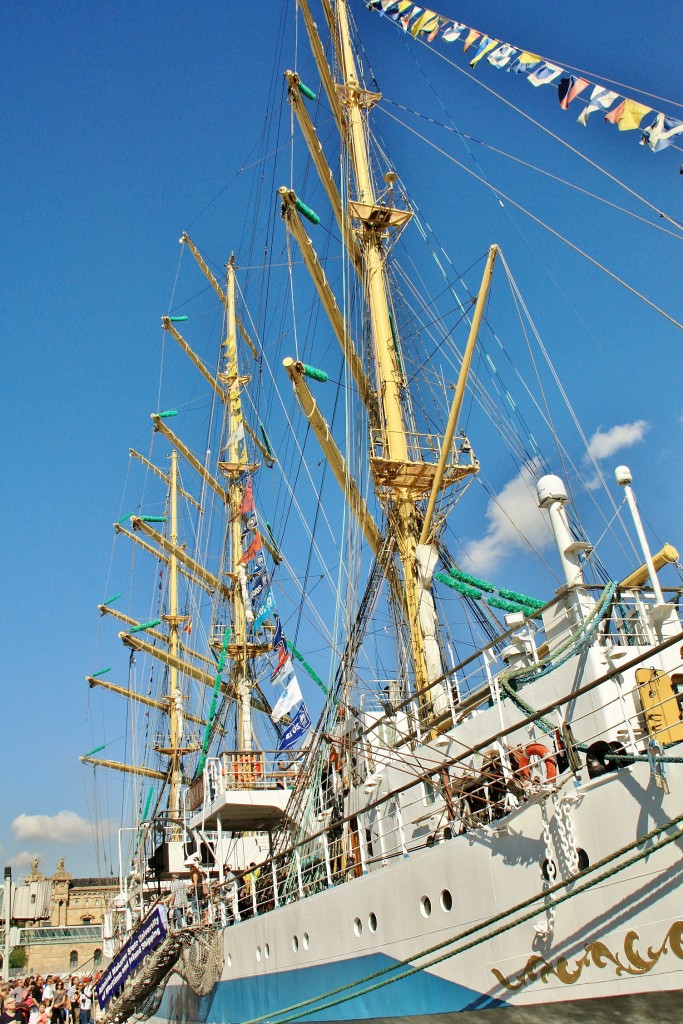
[{"x": 599, "y": 955}]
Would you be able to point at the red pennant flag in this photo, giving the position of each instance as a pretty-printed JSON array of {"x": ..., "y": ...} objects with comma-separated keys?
[
  {"x": 247, "y": 498},
  {"x": 252, "y": 550}
]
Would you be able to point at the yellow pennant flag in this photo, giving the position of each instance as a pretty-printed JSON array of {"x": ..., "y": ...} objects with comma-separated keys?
[
  {"x": 472, "y": 36},
  {"x": 633, "y": 113},
  {"x": 426, "y": 23},
  {"x": 483, "y": 51}
]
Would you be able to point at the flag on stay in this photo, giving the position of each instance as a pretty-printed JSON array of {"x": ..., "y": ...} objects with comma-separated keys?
[
  {"x": 600, "y": 99},
  {"x": 287, "y": 699},
  {"x": 426, "y": 24},
  {"x": 409, "y": 17},
  {"x": 258, "y": 583},
  {"x": 627, "y": 115},
  {"x": 284, "y": 669},
  {"x": 299, "y": 725},
  {"x": 247, "y": 504},
  {"x": 661, "y": 132},
  {"x": 472, "y": 37},
  {"x": 252, "y": 550},
  {"x": 393, "y": 8},
  {"x": 237, "y": 435},
  {"x": 453, "y": 32},
  {"x": 265, "y": 608},
  {"x": 569, "y": 89},
  {"x": 524, "y": 63},
  {"x": 502, "y": 56},
  {"x": 279, "y": 645},
  {"x": 544, "y": 75},
  {"x": 485, "y": 46}
]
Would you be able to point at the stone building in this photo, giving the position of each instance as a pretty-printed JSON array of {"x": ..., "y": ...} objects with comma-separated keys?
[{"x": 59, "y": 920}]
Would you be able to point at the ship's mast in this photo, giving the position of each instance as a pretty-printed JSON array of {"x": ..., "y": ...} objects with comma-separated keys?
[
  {"x": 237, "y": 461},
  {"x": 174, "y": 695},
  {"x": 403, "y": 515}
]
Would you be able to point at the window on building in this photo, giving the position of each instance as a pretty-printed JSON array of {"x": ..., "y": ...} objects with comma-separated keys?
[
  {"x": 73, "y": 959},
  {"x": 97, "y": 957},
  {"x": 75, "y": 903},
  {"x": 96, "y": 901},
  {"x": 33, "y": 897},
  {"x": 87, "y": 903}
]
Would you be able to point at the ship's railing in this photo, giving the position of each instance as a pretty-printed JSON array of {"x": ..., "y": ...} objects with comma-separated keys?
[
  {"x": 71, "y": 933},
  {"x": 423, "y": 448},
  {"x": 475, "y": 792},
  {"x": 473, "y": 684},
  {"x": 233, "y": 771},
  {"x": 445, "y": 803}
]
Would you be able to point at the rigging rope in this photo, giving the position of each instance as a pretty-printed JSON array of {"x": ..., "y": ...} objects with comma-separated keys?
[
  {"x": 541, "y": 223},
  {"x": 543, "y": 896},
  {"x": 553, "y": 135}
]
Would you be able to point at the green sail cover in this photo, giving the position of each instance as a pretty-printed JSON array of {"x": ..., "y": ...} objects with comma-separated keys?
[
  {"x": 510, "y": 606},
  {"x": 313, "y": 373},
  {"x": 305, "y": 91},
  {"x": 144, "y": 625},
  {"x": 512, "y": 595},
  {"x": 474, "y": 581},
  {"x": 462, "y": 588},
  {"x": 307, "y": 212}
]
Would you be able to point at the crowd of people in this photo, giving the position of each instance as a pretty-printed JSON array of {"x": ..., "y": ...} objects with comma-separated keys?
[{"x": 48, "y": 1000}]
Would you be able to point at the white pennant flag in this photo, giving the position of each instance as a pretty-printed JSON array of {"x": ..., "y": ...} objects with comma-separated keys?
[{"x": 287, "y": 699}]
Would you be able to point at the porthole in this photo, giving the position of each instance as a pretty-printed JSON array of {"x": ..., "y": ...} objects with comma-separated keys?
[
  {"x": 295, "y": 943},
  {"x": 583, "y": 859},
  {"x": 358, "y": 926},
  {"x": 258, "y": 953},
  {"x": 425, "y": 906},
  {"x": 372, "y": 922},
  {"x": 446, "y": 901},
  {"x": 266, "y": 950},
  {"x": 305, "y": 940}
]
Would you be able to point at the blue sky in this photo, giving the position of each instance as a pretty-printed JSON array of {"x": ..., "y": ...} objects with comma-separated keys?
[{"x": 125, "y": 124}]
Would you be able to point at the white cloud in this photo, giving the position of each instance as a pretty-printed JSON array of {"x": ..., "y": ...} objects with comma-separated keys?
[
  {"x": 23, "y": 859},
  {"x": 512, "y": 516},
  {"x": 63, "y": 827},
  {"x": 605, "y": 443}
]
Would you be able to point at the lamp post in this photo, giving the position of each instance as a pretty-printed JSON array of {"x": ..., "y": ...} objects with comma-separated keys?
[{"x": 7, "y": 903}]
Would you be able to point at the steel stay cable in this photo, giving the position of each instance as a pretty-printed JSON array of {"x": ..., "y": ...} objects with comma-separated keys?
[
  {"x": 543, "y": 896},
  {"x": 552, "y": 134},
  {"x": 533, "y": 167},
  {"x": 494, "y": 933},
  {"x": 541, "y": 223},
  {"x": 468, "y": 751}
]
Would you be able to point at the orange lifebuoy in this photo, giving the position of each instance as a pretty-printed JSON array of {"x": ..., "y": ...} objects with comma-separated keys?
[
  {"x": 519, "y": 762},
  {"x": 538, "y": 750}
]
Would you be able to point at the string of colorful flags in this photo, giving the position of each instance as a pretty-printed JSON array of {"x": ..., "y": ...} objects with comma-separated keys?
[
  {"x": 259, "y": 605},
  {"x": 626, "y": 113}
]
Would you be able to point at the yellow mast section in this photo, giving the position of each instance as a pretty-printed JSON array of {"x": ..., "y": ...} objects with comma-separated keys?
[
  {"x": 403, "y": 514},
  {"x": 236, "y": 463},
  {"x": 174, "y": 695}
]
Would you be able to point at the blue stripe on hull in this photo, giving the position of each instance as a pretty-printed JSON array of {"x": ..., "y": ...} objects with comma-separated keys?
[{"x": 233, "y": 1002}]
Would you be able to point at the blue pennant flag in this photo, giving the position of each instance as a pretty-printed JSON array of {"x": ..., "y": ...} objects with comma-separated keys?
[
  {"x": 299, "y": 725},
  {"x": 257, "y": 584},
  {"x": 264, "y": 609}
]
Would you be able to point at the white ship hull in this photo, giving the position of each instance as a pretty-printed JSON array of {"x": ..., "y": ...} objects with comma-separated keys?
[{"x": 616, "y": 938}]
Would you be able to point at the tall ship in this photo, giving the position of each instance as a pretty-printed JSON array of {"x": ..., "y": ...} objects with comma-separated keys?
[{"x": 374, "y": 769}]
